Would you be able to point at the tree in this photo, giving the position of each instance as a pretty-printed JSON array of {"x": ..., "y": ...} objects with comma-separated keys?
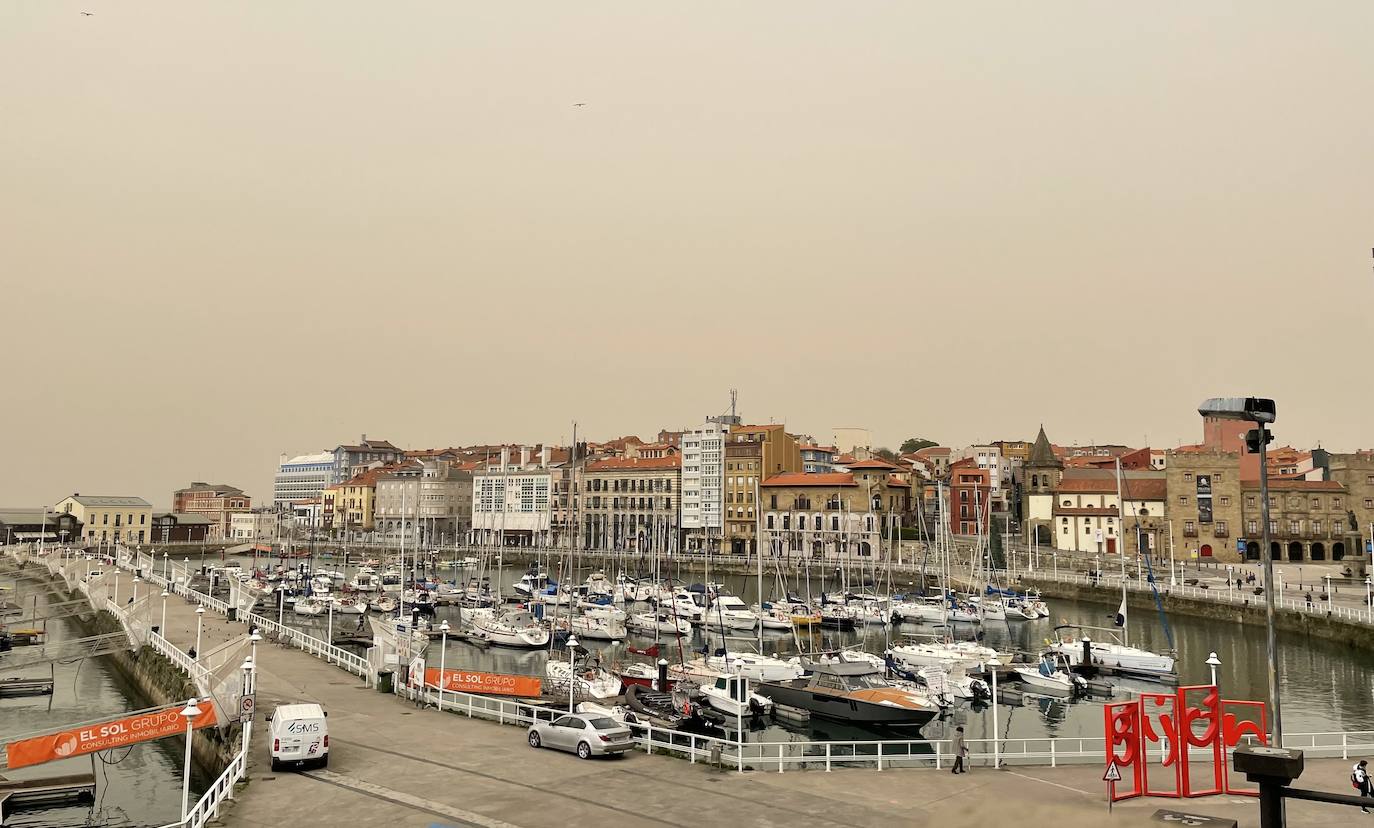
[
  {"x": 916, "y": 444},
  {"x": 886, "y": 453}
]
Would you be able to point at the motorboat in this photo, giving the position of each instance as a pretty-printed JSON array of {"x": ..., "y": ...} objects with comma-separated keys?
[
  {"x": 511, "y": 629},
  {"x": 600, "y": 610},
  {"x": 384, "y": 603},
  {"x": 731, "y": 613},
  {"x": 932, "y": 653},
  {"x": 1051, "y": 677},
  {"x": 309, "y": 607},
  {"x": 532, "y": 583},
  {"x": 366, "y": 581},
  {"x": 731, "y": 695},
  {"x": 642, "y": 674},
  {"x": 838, "y": 617},
  {"x": 682, "y": 605},
  {"x": 660, "y": 622},
  {"x": 391, "y": 581},
  {"x": 596, "y": 628},
  {"x": 589, "y": 679},
  {"x": 852, "y": 691},
  {"x": 1084, "y": 652}
]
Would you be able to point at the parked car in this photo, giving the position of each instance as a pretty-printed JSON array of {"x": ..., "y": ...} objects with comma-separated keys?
[
  {"x": 587, "y": 736},
  {"x": 300, "y": 736}
]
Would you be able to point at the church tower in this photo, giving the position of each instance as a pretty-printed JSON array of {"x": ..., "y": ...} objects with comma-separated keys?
[{"x": 1040, "y": 480}]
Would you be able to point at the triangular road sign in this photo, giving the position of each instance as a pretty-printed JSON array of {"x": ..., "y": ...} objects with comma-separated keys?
[{"x": 1113, "y": 773}]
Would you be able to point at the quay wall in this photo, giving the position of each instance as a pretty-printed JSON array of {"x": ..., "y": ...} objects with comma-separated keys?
[
  {"x": 1317, "y": 625},
  {"x": 147, "y": 677}
]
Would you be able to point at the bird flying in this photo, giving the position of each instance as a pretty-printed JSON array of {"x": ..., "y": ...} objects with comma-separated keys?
[
  {"x": 89, "y": 14},
  {"x": 579, "y": 104}
]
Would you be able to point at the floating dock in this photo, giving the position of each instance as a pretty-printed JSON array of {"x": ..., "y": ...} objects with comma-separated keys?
[
  {"x": 55, "y": 790},
  {"x": 26, "y": 687}
]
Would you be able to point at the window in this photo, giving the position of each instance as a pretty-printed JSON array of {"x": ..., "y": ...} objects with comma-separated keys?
[
  {"x": 1294, "y": 527},
  {"x": 1316, "y": 504},
  {"x": 1369, "y": 503},
  {"x": 1316, "y": 527},
  {"x": 1251, "y": 527},
  {"x": 1220, "y": 528},
  {"x": 1225, "y": 501},
  {"x": 1189, "y": 527},
  {"x": 1068, "y": 503},
  {"x": 1216, "y": 476},
  {"x": 1250, "y": 501},
  {"x": 772, "y": 501},
  {"x": 1335, "y": 503},
  {"x": 1187, "y": 477},
  {"x": 1183, "y": 500}
]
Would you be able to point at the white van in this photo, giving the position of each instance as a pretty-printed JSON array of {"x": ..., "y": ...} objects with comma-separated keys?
[{"x": 300, "y": 735}]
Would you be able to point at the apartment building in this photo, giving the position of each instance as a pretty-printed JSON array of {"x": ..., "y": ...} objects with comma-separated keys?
[
  {"x": 512, "y": 503},
  {"x": 302, "y": 477},
  {"x": 631, "y": 503},
  {"x": 825, "y": 515},
  {"x": 431, "y": 501},
  {"x": 703, "y": 483},
  {"x": 217, "y": 502},
  {"x": 752, "y": 453}
]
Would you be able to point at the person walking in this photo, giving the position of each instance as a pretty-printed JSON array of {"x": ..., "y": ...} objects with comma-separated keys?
[
  {"x": 1359, "y": 779},
  {"x": 960, "y": 751},
  {"x": 1309, "y": 599}
]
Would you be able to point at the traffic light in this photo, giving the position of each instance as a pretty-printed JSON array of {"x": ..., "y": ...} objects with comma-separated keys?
[{"x": 1256, "y": 437}]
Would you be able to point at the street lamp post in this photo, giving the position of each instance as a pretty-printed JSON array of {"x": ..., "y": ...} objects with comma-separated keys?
[
  {"x": 1328, "y": 592},
  {"x": 166, "y": 566},
  {"x": 189, "y": 712},
  {"x": 1213, "y": 663},
  {"x": 572, "y": 668},
  {"x": 253, "y": 640},
  {"x": 1261, "y": 412},
  {"x": 443, "y": 654},
  {"x": 248, "y": 689},
  {"x": 281, "y": 603},
  {"x": 162, "y": 630},
  {"x": 1368, "y": 599},
  {"x": 116, "y": 585},
  {"x": 993, "y": 664},
  {"x": 136, "y": 580},
  {"x": 200, "y": 615}
]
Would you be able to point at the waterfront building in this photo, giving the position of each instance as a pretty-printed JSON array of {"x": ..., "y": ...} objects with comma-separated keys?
[
  {"x": 631, "y": 503},
  {"x": 969, "y": 505},
  {"x": 302, "y": 478},
  {"x": 1041, "y": 475},
  {"x": 1002, "y": 472},
  {"x": 110, "y": 518},
  {"x": 938, "y": 457},
  {"x": 703, "y": 483},
  {"x": 818, "y": 515},
  {"x": 431, "y": 501},
  {"x": 216, "y": 501},
  {"x": 752, "y": 453},
  {"x": 256, "y": 526},
  {"x": 182, "y": 527},
  {"x": 1088, "y": 514},
  {"x": 351, "y": 461},
  {"x": 817, "y": 459},
  {"x": 512, "y": 503},
  {"x": 35, "y": 525},
  {"x": 355, "y": 501},
  {"x": 1309, "y": 521},
  {"x": 307, "y": 514},
  {"x": 1204, "y": 502}
]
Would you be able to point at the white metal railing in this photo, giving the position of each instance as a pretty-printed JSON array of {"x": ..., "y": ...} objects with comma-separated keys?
[
  {"x": 207, "y": 807},
  {"x": 1220, "y": 595}
]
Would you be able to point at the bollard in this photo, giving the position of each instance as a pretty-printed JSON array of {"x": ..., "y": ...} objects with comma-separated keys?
[{"x": 715, "y": 758}]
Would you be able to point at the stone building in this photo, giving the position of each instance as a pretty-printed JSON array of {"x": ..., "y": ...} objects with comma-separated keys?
[
  {"x": 1041, "y": 474},
  {"x": 631, "y": 503},
  {"x": 1204, "y": 503},
  {"x": 217, "y": 502},
  {"x": 430, "y": 500},
  {"x": 1309, "y": 520},
  {"x": 819, "y": 515}
]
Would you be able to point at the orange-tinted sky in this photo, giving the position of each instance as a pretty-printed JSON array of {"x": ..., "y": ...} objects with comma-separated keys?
[{"x": 230, "y": 230}]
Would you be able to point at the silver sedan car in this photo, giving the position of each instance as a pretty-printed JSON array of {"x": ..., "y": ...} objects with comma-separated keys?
[{"x": 587, "y": 736}]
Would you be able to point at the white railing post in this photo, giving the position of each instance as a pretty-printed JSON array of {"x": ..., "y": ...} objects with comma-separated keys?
[
  {"x": 780, "y": 748},
  {"x": 827, "y": 757}
]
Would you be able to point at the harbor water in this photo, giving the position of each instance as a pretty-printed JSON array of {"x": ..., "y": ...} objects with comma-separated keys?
[
  {"x": 1325, "y": 688},
  {"x": 135, "y": 786}
]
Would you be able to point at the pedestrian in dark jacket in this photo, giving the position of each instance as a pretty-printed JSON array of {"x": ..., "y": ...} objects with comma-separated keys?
[
  {"x": 960, "y": 751},
  {"x": 1359, "y": 778}
]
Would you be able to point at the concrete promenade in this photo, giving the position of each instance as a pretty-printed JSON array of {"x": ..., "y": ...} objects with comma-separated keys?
[{"x": 395, "y": 764}]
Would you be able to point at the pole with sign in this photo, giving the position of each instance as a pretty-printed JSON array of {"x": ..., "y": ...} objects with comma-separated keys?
[{"x": 1111, "y": 777}]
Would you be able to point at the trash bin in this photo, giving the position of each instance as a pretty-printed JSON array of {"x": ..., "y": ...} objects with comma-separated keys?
[
  {"x": 233, "y": 613},
  {"x": 715, "y": 754},
  {"x": 384, "y": 681}
]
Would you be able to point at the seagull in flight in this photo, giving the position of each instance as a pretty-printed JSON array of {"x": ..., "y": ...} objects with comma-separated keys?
[
  {"x": 89, "y": 14},
  {"x": 579, "y": 104}
]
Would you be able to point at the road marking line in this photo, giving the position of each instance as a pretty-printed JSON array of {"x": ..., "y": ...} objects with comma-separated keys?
[
  {"x": 401, "y": 798},
  {"x": 1048, "y": 782}
]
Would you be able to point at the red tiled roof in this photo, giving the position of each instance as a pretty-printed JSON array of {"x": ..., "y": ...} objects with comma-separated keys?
[
  {"x": 898, "y": 482},
  {"x": 672, "y": 461},
  {"x": 811, "y": 479},
  {"x": 871, "y": 463}
]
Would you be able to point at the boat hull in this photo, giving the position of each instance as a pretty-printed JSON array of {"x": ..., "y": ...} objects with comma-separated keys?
[{"x": 842, "y": 708}]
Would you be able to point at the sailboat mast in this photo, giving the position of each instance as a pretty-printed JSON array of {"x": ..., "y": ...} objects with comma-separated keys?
[
  {"x": 758, "y": 553},
  {"x": 1121, "y": 554}
]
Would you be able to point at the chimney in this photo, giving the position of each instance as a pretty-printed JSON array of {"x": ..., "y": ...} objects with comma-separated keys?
[
  {"x": 544, "y": 457},
  {"x": 524, "y": 456},
  {"x": 505, "y": 457},
  {"x": 363, "y": 441}
]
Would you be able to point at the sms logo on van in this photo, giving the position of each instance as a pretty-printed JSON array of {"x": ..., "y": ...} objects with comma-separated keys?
[{"x": 303, "y": 727}]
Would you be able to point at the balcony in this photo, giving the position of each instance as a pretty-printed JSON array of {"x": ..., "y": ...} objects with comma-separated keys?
[{"x": 1189, "y": 533}]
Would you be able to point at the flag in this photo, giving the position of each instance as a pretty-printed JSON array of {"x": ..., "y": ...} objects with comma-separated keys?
[{"x": 1121, "y": 613}]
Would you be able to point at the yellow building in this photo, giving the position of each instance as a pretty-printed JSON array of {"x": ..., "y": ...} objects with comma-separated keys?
[
  {"x": 753, "y": 453},
  {"x": 110, "y": 518},
  {"x": 355, "y": 503}
]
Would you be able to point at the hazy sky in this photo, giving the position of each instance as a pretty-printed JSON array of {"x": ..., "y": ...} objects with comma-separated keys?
[{"x": 229, "y": 230}]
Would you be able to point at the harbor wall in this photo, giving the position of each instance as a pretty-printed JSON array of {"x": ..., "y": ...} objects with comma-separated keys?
[
  {"x": 147, "y": 677},
  {"x": 1251, "y": 611}
]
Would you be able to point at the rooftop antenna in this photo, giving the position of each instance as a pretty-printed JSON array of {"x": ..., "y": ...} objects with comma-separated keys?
[{"x": 734, "y": 395}]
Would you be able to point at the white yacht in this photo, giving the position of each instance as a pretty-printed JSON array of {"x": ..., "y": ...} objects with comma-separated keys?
[
  {"x": 661, "y": 622},
  {"x": 728, "y": 695},
  {"x": 729, "y": 612},
  {"x": 590, "y": 680},
  {"x": 513, "y": 629},
  {"x": 596, "y": 628}
]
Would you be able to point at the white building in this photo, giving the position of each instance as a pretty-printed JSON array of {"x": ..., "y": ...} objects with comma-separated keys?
[
  {"x": 257, "y": 526},
  {"x": 703, "y": 482},
  {"x": 510, "y": 502},
  {"x": 302, "y": 477},
  {"x": 1001, "y": 470}
]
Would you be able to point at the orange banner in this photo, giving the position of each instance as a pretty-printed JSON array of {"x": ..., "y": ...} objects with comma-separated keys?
[
  {"x": 91, "y": 738},
  {"x": 463, "y": 681}
]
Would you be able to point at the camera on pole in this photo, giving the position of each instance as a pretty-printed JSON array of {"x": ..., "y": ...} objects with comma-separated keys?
[{"x": 1257, "y": 437}]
